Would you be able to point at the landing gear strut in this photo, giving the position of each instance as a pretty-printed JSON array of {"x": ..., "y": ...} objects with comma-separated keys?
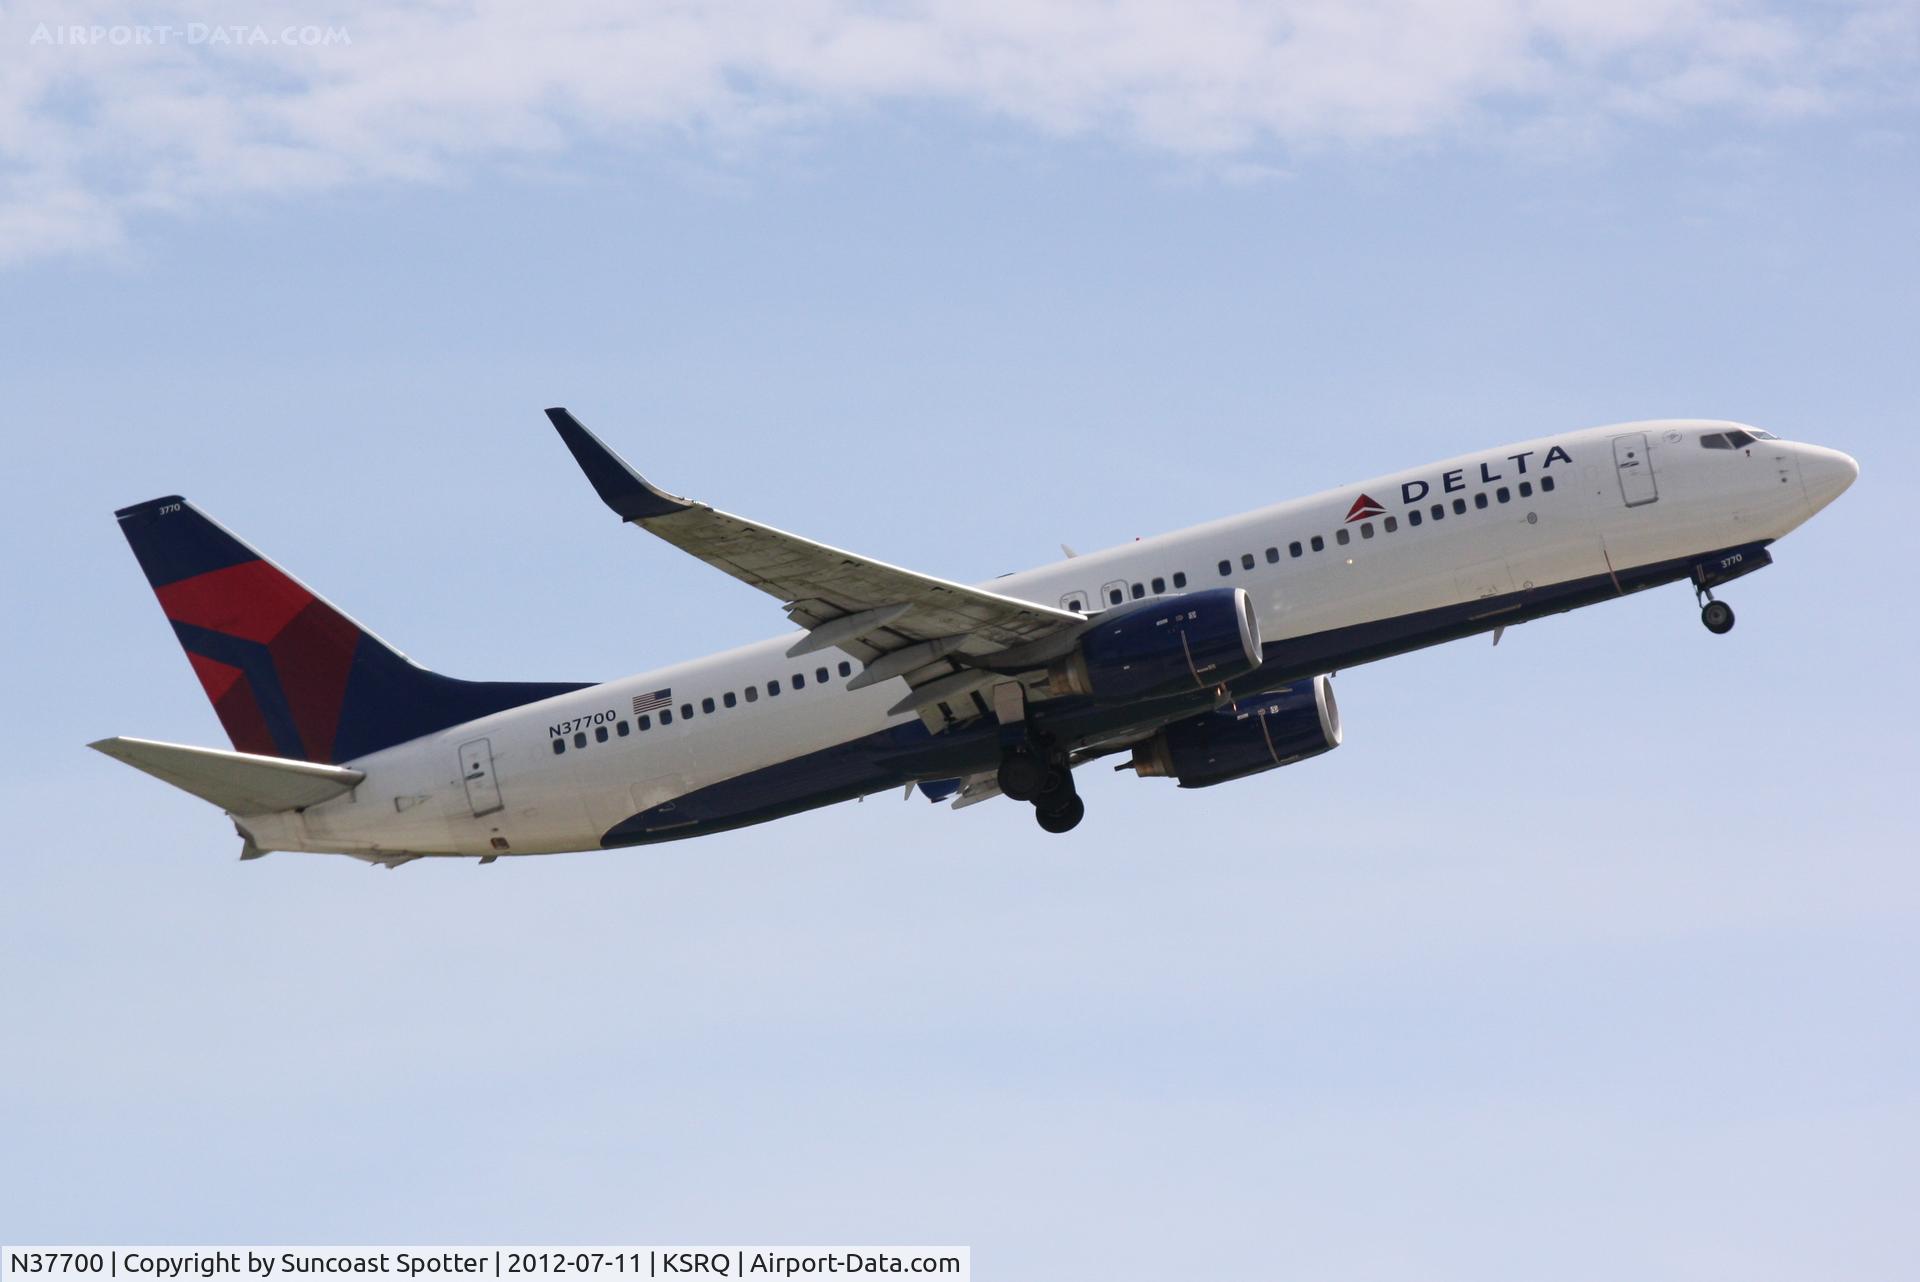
[
  {"x": 1026, "y": 772},
  {"x": 1036, "y": 772},
  {"x": 1716, "y": 615}
]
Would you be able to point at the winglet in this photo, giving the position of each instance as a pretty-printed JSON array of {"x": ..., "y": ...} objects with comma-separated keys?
[{"x": 620, "y": 487}]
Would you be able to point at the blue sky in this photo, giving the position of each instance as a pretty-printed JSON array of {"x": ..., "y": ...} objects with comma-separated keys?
[{"x": 1589, "y": 956}]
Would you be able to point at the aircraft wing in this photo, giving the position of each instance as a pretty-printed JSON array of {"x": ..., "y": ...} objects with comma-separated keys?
[{"x": 948, "y": 640}]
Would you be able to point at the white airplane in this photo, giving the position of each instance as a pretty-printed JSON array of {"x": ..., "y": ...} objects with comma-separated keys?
[{"x": 1203, "y": 654}]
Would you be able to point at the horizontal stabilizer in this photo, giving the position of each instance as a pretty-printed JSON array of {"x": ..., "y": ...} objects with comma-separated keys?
[{"x": 240, "y": 783}]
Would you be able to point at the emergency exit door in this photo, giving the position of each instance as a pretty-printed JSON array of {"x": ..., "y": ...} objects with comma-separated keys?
[
  {"x": 1634, "y": 466},
  {"x": 476, "y": 771}
]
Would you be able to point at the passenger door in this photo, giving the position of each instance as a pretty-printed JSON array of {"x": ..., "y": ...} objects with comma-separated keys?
[{"x": 1634, "y": 466}]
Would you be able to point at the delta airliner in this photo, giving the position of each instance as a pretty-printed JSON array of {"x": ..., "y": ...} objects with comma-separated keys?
[{"x": 1201, "y": 656}]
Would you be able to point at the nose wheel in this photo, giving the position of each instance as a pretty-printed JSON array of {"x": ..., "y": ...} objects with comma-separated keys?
[{"x": 1716, "y": 615}]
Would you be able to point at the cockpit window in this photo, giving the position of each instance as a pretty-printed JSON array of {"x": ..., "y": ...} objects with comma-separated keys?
[
  {"x": 1759, "y": 435},
  {"x": 1715, "y": 441},
  {"x": 1739, "y": 440}
]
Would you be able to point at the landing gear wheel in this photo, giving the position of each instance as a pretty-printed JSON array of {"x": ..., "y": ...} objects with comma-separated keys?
[
  {"x": 1024, "y": 774},
  {"x": 1063, "y": 819},
  {"x": 1059, "y": 793},
  {"x": 1718, "y": 616}
]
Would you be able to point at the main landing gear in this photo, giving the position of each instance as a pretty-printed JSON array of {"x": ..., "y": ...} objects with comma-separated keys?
[
  {"x": 1716, "y": 615},
  {"x": 1038, "y": 773}
]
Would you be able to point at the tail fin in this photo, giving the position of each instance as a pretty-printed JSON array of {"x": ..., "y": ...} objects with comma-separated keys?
[{"x": 289, "y": 675}]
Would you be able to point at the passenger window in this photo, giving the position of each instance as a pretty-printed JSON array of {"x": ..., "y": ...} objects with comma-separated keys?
[
  {"x": 1179, "y": 578},
  {"x": 600, "y": 734},
  {"x": 622, "y": 729},
  {"x": 799, "y": 680},
  {"x": 1504, "y": 494},
  {"x": 1341, "y": 536},
  {"x": 773, "y": 688},
  {"x": 729, "y": 700},
  {"x": 1546, "y": 485},
  {"x": 1393, "y": 523},
  {"x": 646, "y": 722},
  {"x": 1293, "y": 548},
  {"x": 686, "y": 712},
  {"x": 1439, "y": 511},
  {"x": 706, "y": 705},
  {"x": 1273, "y": 556},
  {"x": 753, "y": 694},
  {"x": 666, "y": 716},
  {"x": 1459, "y": 507},
  {"x": 1246, "y": 560},
  {"x": 1139, "y": 590},
  {"x": 559, "y": 746},
  {"x": 1480, "y": 499},
  {"x": 846, "y": 669},
  {"x": 1526, "y": 489},
  {"x": 1366, "y": 529},
  {"x": 580, "y": 739},
  {"x": 1413, "y": 516},
  {"x": 1317, "y": 543},
  {"x": 820, "y": 675},
  {"x": 1226, "y": 568},
  {"x": 1114, "y": 597},
  {"x": 1159, "y": 586}
]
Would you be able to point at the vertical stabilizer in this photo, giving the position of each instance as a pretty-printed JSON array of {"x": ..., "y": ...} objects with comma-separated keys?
[{"x": 290, "y": 675}]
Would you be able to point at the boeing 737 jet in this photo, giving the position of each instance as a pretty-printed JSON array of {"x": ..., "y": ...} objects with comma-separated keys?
[{"x": 1200, "y": 656}]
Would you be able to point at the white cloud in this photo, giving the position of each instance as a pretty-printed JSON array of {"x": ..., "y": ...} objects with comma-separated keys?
[{"x": 100, "y": 122}]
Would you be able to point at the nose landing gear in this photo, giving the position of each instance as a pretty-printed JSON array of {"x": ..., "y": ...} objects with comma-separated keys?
[
  {"x": 1716, "y": 615},
  {"x": 1719, "y": 569}
]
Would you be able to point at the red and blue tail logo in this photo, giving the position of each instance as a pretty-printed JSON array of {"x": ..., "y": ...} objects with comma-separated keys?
[
  {"x": 289, "y": 675},
  {"x": 265, "y": 647}
]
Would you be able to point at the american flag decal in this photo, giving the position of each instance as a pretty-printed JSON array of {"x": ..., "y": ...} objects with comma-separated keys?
[{"x": 648, "y": 702}]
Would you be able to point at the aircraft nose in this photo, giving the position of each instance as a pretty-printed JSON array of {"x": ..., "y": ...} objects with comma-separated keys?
[{"x": 1826, "y": 474}]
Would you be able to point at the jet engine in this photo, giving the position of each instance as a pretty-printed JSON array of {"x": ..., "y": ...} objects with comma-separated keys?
[
  {"x": 1245, "y": 737},
  {"x": 1167, "y": 646}
]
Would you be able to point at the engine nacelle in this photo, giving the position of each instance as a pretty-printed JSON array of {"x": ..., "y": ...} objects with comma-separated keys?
[
  {"x": 1262, "y": 732},
  {"x": 1191, "y": 642}
]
